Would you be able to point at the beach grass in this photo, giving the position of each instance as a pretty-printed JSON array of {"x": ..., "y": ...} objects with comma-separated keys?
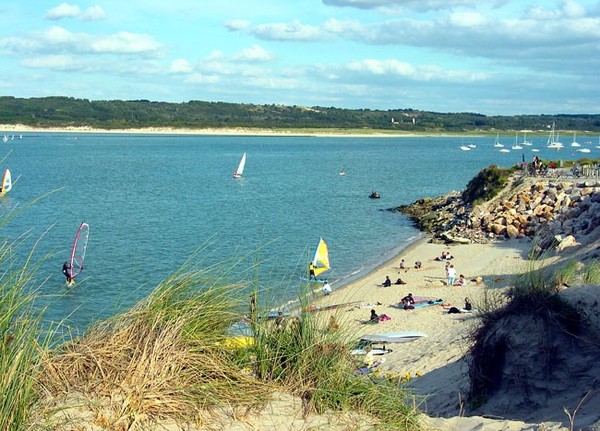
[
  {"x": 173, "y": 356},
  {"x": 23, "y": 341},
  {"x": 309, "y": 356},
  {"x": 532, "y": 301}
]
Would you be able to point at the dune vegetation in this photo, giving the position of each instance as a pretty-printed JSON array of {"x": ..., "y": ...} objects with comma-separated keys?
[{"x": 173, "y": 357}]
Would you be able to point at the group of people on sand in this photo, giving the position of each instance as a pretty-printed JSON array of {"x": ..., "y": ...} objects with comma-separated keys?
[
  {"x": 444, "y": 256},
  {"x": 388, "y": 281}
]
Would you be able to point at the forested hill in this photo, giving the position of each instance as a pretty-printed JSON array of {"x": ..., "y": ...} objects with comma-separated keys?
[{"x": 118, "y": 114}]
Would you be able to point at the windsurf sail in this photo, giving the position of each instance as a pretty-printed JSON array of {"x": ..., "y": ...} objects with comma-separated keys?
[
  {"x": 6, "y": 181},
  {"x": 240, "y": 170},
  {"x": 321, "y": 259},
  {"x": 78, "y": 250}
]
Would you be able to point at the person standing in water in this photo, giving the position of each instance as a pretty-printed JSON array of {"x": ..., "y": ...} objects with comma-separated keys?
[{"x": 66, "y": 270}]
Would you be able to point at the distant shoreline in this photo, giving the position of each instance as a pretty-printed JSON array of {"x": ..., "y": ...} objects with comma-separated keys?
[{"x": 225, "y": 131}]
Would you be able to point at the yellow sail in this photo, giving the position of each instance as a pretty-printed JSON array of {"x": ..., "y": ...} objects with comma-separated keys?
[{"x": 321, "y": 259}]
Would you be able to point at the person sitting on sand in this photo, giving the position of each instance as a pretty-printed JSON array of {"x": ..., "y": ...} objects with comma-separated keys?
[
  {"x": 461, "y": 281},
  {"x": 387, "y": 282},
  {"x": 408, "y": 302},
  {"x": 418, "y": 264},
  {"x": 374, "y": 317},
  {"x": 467, "y": 308},
  {"x": 401, "y": 264},
  {"x": 400, "y": 281},
  {"x": 326, "y": 289}
]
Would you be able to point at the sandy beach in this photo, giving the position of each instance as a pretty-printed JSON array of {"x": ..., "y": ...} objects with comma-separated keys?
[
  {"x": 435, "y": 363},
  {"x": 17, "y": 129}
]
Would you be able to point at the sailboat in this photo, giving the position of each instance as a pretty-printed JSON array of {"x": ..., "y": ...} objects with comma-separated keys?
[
  {"x": 497, "y": 144},
  {"x": 517, "y": 146},
  {"x": 553, "y": 141},
  {"x": 240, "y": 170},
  {"x": 575, "y": 143},
  {"x": 525, "y": 141},
  {"x": 320, "y": 262},
  {"x": 6, "y": 182}
]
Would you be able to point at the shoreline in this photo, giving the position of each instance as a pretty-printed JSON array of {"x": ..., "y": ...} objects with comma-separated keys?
[{"x": 225, "y": 131}]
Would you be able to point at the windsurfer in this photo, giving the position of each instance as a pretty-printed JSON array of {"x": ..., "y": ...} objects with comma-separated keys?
[
  {"x": 311, "y": 271},
  {"x": 66, "y": 270}
]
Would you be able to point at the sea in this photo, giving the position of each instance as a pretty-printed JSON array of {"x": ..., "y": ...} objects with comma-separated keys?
[{"x": 155, "y": 203}]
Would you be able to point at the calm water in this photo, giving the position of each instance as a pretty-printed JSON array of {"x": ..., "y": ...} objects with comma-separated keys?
[{"x": 151, "y": 201}]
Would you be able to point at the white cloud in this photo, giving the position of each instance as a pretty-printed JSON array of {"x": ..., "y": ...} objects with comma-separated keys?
[
  {"x": 395, "y": 68},
  {"x": 180, "y": 65},
  {"x": 401, "y": 5},
  {"x": 288, "y": 31},
  {"x": 66, "y": 10},
  {"x": 237, "y": 24},
  {"x": 467, "y": 19},
  {"x": 126, "y": 43},
  {"x": 199, "y": 78},
  {"x": 56, "y": 62},
  {"x": 254, "y": 53}
]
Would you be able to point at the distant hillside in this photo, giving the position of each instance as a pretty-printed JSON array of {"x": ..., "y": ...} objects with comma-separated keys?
[{"x": 119, "y": 114}]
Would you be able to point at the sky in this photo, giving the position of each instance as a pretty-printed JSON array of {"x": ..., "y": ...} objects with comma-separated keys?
[{"x": 494, "y": 57}]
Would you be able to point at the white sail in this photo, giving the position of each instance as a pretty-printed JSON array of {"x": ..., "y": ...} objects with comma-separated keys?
[{"x": 240, "y": 170}]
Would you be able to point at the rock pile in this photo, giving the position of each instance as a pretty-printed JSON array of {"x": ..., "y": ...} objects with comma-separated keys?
[{"x": 554, "y": 212}]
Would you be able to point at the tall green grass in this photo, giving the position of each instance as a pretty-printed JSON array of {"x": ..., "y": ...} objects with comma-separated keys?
[
  {"x": 22, "y": 344},
  {"x": 314, "y": 363}
]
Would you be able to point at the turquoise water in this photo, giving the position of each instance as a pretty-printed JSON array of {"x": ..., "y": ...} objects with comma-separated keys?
[{"x": 151, "y": 201}]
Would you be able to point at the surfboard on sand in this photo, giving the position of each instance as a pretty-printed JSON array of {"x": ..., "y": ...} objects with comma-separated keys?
[
  {"x": 375, "y": 350},
  {"x": 394, "y": 337}
]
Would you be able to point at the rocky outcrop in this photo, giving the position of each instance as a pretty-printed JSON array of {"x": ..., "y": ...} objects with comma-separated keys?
[{"x": 555, "y": 213}]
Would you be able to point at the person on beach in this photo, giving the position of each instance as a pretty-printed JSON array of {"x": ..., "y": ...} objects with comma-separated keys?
[
  {"x": 418, "y": 264},
  {"x": 374, "y": 317},
  {"x": 444, "y": 256},
  {"x": 408, "y": 302},
  {"x": 400, "y": 281},
  {"x": 401, "y": 264},
  {"x": 461, "y": 281},
  {"x": 387, "y": 282},
  {"x": 451, "y": 271},
  {"x": 326, "y": 289},
  {"x": 279, "y": 320},
  {"x": 466, "y": 309},
  {"x": 468, "y": 305}
]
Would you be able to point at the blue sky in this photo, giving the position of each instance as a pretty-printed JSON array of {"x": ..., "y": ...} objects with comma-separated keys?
[{"x": 495, "y": 57}]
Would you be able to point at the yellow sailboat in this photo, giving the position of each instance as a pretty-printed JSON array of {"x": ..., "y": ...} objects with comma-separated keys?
[{"x": 320, "y": 262}]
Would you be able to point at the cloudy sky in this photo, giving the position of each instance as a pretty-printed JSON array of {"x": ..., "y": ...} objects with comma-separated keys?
[{"x": 489, "y": 56}]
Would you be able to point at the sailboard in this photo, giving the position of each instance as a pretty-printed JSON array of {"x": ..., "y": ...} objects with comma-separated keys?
[
  {"x": 78, "y": 250},
  {"x": 6, "y": 182},
  {"x": 240, "y": 170},
  {"x": 394, "y": 337},
  {"x": 320, "y": 262}
]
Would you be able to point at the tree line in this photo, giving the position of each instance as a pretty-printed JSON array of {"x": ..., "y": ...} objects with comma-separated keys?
[{"x": 121, "y": 114}]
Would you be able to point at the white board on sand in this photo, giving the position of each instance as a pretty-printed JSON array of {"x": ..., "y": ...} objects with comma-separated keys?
[{"x": 394, "y": 337}]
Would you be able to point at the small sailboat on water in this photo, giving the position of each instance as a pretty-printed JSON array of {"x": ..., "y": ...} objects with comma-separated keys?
[
  {"x": 497, "y": 143},
  {"x": 320, "y": 263},
  {"x": 240, "y": 170},
  {"x": 6, "y": 182}
]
